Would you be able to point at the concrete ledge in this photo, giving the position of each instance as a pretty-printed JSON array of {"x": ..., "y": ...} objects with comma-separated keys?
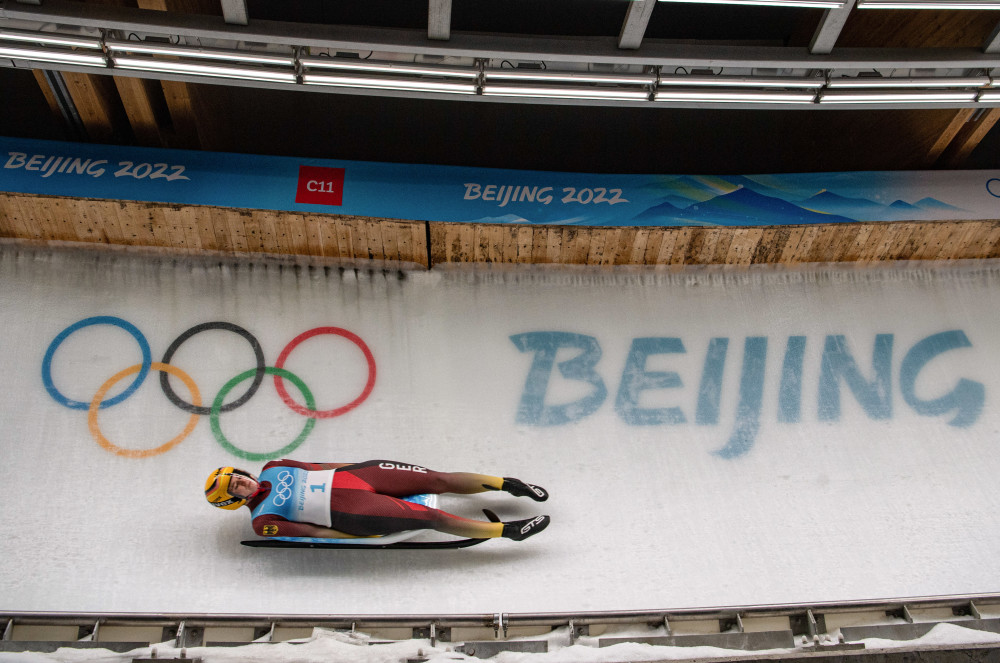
[
  {"x": 46, "y": 647},
  {"x": 489, "y": 648},
  {"x": 913, "y": 631},
  {"x": 744, "y": 641}
]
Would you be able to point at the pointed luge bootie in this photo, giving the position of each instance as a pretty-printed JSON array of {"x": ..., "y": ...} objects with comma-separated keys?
[
  {"x": 519, "y": 530},
  {"x": 518, "y": 488}
]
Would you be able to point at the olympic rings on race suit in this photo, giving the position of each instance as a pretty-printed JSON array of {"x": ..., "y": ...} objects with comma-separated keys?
[{"x": 195, "y": 407}]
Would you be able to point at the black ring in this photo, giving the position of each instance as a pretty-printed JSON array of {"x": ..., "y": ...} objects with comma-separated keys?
[{"x": 227, "y": 326}]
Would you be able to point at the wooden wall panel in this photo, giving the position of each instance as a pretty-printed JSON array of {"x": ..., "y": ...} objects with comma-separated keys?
[
  {"x": 195, "y": 228},
  {"x": 199, "y": 228}
]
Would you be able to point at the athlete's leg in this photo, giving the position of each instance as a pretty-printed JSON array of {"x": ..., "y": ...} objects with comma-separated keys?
[
  {"x": 402, "y": 479},
  {"x": 391, "y": 477},
  {"x": 365, "y": 513}
]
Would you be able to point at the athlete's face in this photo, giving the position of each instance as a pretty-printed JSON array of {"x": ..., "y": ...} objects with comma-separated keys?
[{"x": 241, "y": 486}]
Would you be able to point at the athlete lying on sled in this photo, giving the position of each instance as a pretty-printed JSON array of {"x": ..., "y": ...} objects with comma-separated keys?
[{"x": 351, "y": 500}]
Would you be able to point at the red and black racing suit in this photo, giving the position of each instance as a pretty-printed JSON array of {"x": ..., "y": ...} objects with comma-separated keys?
[{"x": 364, "y": 500}]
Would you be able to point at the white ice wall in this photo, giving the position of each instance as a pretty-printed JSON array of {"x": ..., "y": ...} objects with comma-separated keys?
[{"x": 644, "y": 516}]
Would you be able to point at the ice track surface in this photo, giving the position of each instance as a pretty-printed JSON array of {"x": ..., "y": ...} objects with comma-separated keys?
[{"x": 710, "y": 437}]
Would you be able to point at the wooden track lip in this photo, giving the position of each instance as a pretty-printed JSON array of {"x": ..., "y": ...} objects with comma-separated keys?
[{"x": 407, "y": 244}]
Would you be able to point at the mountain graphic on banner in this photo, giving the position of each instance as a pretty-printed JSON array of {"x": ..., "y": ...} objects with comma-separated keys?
[
  {"x": 739, "y": 207},
  {"x": 861, "y": 209}
]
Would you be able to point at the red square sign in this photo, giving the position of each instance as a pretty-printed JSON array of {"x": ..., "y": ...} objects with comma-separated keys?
[{"x": 319, "y": 185}]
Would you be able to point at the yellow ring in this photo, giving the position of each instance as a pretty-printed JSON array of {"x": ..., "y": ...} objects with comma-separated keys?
[{"x": 95, "y": 405}]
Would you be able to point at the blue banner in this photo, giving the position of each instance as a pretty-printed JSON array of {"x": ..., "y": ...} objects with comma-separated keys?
[{"x": 484, "y": 195}]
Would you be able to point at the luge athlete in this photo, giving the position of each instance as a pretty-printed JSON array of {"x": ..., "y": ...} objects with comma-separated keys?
[{"x": 349, "y": 500}]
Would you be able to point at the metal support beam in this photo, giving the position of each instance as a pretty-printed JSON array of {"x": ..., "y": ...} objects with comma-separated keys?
[
  {"x": 829, "y": 29},
  {"x": 439, "y": 19},
  {"x": 235, "y": 12},
  {"x": 635, "y": 23},
  {"x": 992, "y": 44},
  {"x": 481, "y": 45},
  {"x": 64, "y": 103}
]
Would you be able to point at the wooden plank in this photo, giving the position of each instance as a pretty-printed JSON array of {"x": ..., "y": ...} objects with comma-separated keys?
[
  {"x": 970, "y": 135},
  {"x": 50, "y": 97},
  {"x": 390, "y": 240},
  {"x": 141, "y": 97},
  {"x": 203, "y": 229},
  {"x": 236, "y": 221},
  {"x": 947, "y": 237},
  {"x": 458, "y": 239},
  {"x": 674, "y": 248},
  {"x": 598, "y": 240},
  {"x": 901, "y": 247},
  {"x": 215, "y": 230},
  {"x": 110, "y": 221},
  {"x": 991, "y": 245},
  {"x": 160, "y": 226},
  {"x": 452, "y": 243},
  {"x": 499, "y": 239},
  {"x": 419, "y": 250},
  {"x": 481, "y": 243},
  {"x": 312, "y": 228},
  {"x": 804, "y": 247},
  {"x": 553, "y": 245},
  {"x": 891, "y": 241},
  {"x": 982, "y": 241},
  {"x": 359, "y": 238},
  {"x": 11, "y": 217},
  {"x": 180, "y": 229},
  {"x": 344, "y": 233},
  {"x": 966, "y": 245},
  {"x": 539, "y": 244},
  {"x": 654, "y": 242},
  {"x": 183, "y": 118},
  {"x": 872, "y": 248},
  {"x": 823, "y": 245},
  {"x": 723, "y": 240},
  {"x": 623, "y": 246},
  {"x": 174, "y": 227},
  {"x": 98, "y": 105},
  {"x": 701, "y": 248},
  {"x": 791, "y": 246},
  {"x": 21, "y": 218},
  {"x": 466, "y": 237},
  {"x": 956, "y": 124},
  {"x": 769, "y": 246},
  {"x": 637, "y": 255},
  {"x": 744, "y": 246},
  {"x": 926, "y": 240},
  {"x": 509, "y": 250},
  {"x": 525, "y": 236},
  {"x": 853, "y": 250},
  {"x": 375, "y": 247}
]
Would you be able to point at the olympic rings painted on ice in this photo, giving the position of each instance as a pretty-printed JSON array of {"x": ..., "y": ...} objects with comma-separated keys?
[
  {"x": 247, "y": 455},
  {"x": 147, "y": 359},
  {"x": 335, "y": 412},
  {"x": 228, "y": 326},
  {"x": 195, "y": 407},
  {"x": 142, "y": 453}
]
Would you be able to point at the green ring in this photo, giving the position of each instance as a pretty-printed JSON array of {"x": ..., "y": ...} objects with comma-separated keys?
[{"x": 248, "y": 455}]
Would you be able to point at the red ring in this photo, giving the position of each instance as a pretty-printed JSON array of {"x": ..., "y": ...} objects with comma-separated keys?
[{"x": 279, "y": 383}]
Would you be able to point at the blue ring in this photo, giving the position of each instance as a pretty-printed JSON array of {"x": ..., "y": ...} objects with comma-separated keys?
[
  {"x": 988, "y": 190},
  {"x": 147, "y": 360}
]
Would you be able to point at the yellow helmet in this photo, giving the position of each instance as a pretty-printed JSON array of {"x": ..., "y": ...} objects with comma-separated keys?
[{"x": 217, "y": 488}]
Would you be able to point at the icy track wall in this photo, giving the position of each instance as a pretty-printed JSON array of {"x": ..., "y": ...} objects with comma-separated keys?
[{"x": 709, "y": 438}]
